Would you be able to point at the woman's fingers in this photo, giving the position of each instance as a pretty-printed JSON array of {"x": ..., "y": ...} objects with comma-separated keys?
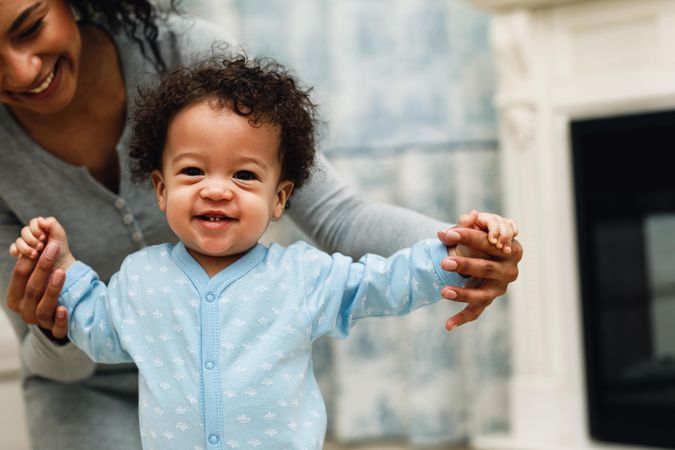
[
  {"x": 483, "y": 294},
  {"x": 474, "y": 239},
  {"x": 486, "y": 269},
  {"x": 47, "y": 307},
  {"x": 33, "y": 292},
  {"x": 60, "y": 328},
  {"x": 477, "y": 299},
  {"x": 468, "y": 314},
  {"x": 37, "y": 284},
  {"x": 17, "y": 283}
]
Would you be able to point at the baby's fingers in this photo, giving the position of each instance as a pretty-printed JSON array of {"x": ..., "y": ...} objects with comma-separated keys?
[
  {"x": 31, "y": 237},
  {"x": 37, "y": 231},
  {"x": 494, "y": 229},
  {"x": 60, "y": 328},
  {"x": 20, "y": 247},
  {"x": 507, "y": 231}
]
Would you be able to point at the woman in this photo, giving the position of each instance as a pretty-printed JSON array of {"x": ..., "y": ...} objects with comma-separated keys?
[{"x": 66, "y": 86}]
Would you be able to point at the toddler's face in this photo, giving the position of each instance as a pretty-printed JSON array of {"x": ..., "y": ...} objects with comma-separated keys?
[{"x": 220, "y": 182}]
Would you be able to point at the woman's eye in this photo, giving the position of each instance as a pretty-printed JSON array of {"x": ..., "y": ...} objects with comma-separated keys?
[
  {"x": 33, "y": 29},
  {"x": 245, "y": 175},
  {"x": 192, "y": 171}
]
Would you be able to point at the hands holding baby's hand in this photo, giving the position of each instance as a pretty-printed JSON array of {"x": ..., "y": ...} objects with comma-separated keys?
[
  {"x": 38, "y": 276},
  {"x": 35, "y": 236},
  {"x": 482, "y": 246}
]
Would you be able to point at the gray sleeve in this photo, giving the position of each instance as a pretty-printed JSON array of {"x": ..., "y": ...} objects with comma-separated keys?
[
  {"x": 39, "y": 355},
  {"x": 64, "y": 363},
  {"x": 339, "y": 219}
]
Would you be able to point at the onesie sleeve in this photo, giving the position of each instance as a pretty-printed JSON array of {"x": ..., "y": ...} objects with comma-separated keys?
[
  {"x": 95, "y": 313},
  {"x": 340, "y": 292}
]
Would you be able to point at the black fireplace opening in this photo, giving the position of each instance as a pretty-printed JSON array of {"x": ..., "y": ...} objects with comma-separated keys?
[{"x": 624, "y": 184}]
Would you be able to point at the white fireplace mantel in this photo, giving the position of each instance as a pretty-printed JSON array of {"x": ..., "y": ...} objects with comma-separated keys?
[{"x": 559, "y": 60}]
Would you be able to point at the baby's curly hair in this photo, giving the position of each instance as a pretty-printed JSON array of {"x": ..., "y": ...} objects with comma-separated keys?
[{"x": 260, "y": 89}]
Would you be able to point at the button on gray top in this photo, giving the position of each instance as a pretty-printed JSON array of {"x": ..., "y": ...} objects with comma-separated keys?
[
  {"x": 128, "y": 219},
  {"x": 119, "y": 203},
  {"x": 137, "y": 236}
]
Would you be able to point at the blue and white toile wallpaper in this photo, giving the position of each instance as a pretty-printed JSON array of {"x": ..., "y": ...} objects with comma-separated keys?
[{"x": 406, "y": 88}]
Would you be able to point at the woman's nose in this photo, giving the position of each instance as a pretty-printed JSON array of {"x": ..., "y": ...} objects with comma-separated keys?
[
  {"x": 20, "y": 69},
  {"x": 217, "y": 191}
]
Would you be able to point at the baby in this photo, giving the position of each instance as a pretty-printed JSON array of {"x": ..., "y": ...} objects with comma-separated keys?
[{"x": 220, "y": 326}]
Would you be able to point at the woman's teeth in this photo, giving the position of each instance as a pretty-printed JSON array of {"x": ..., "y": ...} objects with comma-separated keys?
[{"x": 45, "y": 84}]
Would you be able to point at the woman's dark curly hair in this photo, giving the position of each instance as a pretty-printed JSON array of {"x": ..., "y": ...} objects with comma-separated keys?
[
  {"x": 137, "y": 17},
  {"x": 260, "y": 89}
]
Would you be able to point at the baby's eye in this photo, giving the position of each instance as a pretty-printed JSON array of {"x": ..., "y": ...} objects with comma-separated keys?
[
  {"x": 192, "y": 171},
  {"x": 245, "y": 175}
]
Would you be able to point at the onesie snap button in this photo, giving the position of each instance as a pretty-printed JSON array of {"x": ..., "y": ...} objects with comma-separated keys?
[
  {"x": 210, "y": 365},
  {"x": 214, "y": 439},
  {"x": 210, "y": 297}
]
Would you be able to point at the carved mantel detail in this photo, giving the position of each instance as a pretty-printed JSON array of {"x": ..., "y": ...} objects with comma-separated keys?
[{"x": 512, "y": 44}]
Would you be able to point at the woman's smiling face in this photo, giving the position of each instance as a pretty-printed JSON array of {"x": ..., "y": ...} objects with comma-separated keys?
[{"x": 40, "y": 46}]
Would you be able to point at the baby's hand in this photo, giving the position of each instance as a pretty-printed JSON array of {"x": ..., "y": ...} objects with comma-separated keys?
[
  {"x": 31, "y": 242},
  {"x": 500, "y": 230},
  {"x": 34, "y": 237}
]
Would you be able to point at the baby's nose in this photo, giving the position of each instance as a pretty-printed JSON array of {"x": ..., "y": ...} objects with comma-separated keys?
[{"x": 217, "y": 191}]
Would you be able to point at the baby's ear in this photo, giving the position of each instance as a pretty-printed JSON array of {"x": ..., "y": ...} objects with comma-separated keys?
[
  {"x": 284, "y": 191},
  {"x": 160, "y": 188}
]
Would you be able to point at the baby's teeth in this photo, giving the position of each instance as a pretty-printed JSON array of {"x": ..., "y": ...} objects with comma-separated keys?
[{"x": 45, "y": 84}]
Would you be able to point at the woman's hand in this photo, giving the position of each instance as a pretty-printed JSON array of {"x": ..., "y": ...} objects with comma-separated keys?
[
  {"x": 34, "y": 289},
  {"x": 493, "y": 271}
]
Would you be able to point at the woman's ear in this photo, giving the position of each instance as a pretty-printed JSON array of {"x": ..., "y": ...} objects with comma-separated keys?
[
  {"x": 284, "y": 190},
  {"x": 160, "y": 188}
]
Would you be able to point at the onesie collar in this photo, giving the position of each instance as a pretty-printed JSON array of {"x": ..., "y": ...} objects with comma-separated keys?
[{"x": 222, "y": 279}]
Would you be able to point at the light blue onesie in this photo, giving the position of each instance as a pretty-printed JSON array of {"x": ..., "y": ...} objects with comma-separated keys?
[{"x": 225, "y": 362}]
